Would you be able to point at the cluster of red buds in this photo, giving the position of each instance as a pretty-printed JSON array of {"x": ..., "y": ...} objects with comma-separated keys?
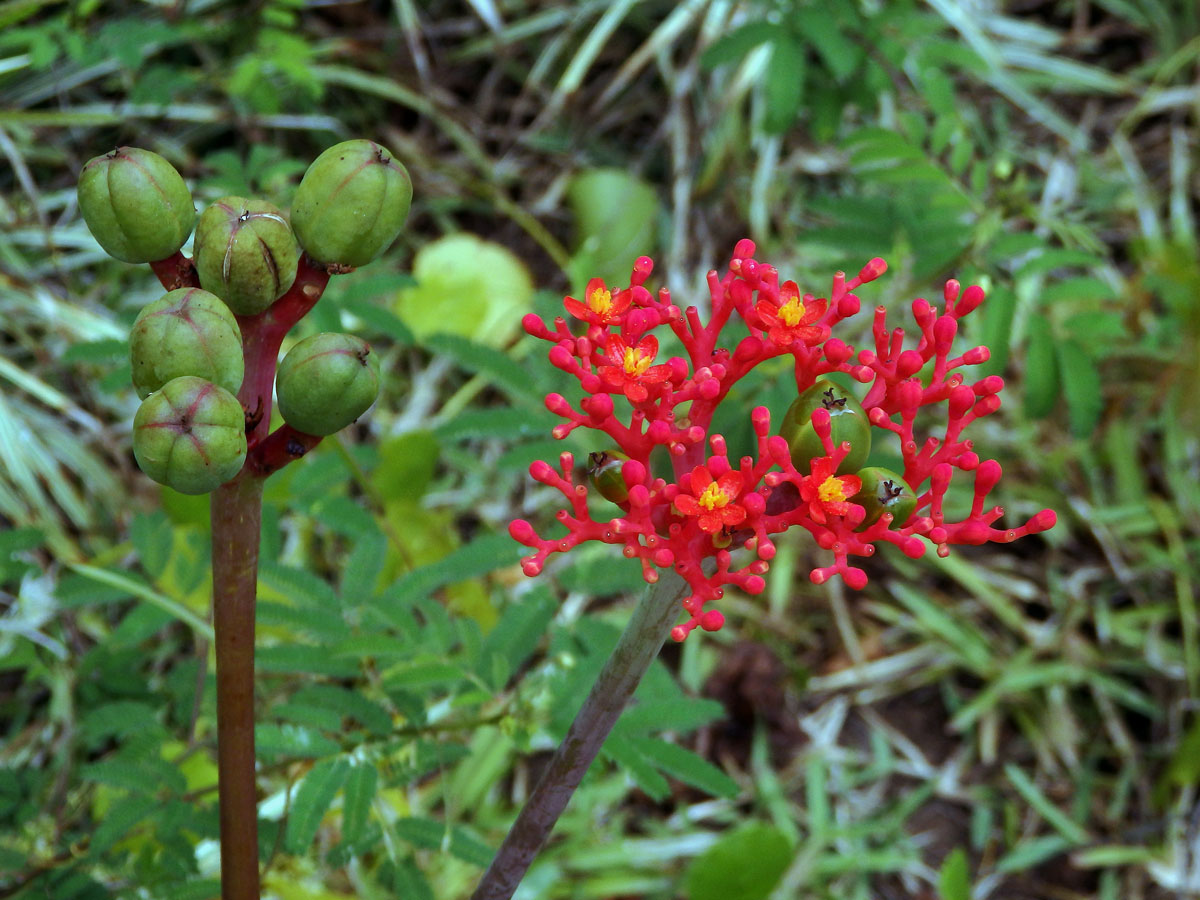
[{"x": 808, "y": 474}]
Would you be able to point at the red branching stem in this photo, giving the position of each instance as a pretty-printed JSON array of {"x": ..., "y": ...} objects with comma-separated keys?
[{"x": 176, "y": 271}]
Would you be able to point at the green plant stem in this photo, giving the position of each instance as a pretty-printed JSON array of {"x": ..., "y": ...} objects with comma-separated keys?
[
  {"x": 637, "y": 648},
  {"x": 236, "y": 529}
]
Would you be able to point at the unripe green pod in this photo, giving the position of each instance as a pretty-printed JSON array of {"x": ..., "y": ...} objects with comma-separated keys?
[
  {"x": 847, "y": 422},
  {"x": 190, "y": 435},
  {"x": 135, "y": 204},
  {"x": 883, "y": 491},
  {"x": 604, "y": 471},
  {"x": 245, "y": 253},
  {"x": 351, "y": 203},
  {"x": 186, "y": 332},
  {"x": 326, "y": 382}
]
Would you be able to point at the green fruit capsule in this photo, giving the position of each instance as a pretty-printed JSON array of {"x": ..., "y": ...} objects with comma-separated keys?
[
  {"x": 326, "y": 382},
  {"x": 190, "y": 435},
  {"x": 351, "y": 203},
  {"x": 883, "y": 491},
  {"x": 847, "y": 422},
  {"x": 136, "y": 205},
  {"x": 186, "y": 332},
  {"x": 245, "y": 253},
  {"x": 604, "y": 471}
]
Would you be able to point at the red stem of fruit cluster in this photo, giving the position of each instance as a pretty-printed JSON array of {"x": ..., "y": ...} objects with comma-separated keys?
[{"x": 236, "y": 533}]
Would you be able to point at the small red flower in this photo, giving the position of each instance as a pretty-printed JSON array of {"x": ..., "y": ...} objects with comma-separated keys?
[
  {"x": 792, "y": 319},
  {"x": 631, "y": 368},
  {"x": 713, "y": 501},
  {"x": 827, "y": 494},
  {"x": 601, "y": 306}
]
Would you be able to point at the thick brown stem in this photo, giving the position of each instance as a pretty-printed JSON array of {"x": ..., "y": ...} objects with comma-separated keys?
[{"x": 236, "y": 527}]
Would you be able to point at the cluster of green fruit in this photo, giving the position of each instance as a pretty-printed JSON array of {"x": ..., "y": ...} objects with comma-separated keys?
[
  {"x": 186, "y": 349},
  {"x": 882, "y": 490}
]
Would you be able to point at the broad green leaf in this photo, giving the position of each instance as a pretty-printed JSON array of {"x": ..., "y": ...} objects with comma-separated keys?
[
  {"x": 820, "y": 30},
  {"x": 671, "y": 715},
  {"x": 1081, "y": 386},
  {"x": 745, "y": 863},
  {"x": 1041, "y": 369},
  {"x": 311, "y": 801},
  {"x": 468, "y": 287},
  {"x": 359, "y": 791}
]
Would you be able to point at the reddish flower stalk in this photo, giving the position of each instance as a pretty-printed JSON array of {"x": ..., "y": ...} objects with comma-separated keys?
[
  {"x": 236, "y": 534},
  {"x": 726, "y": 510}
]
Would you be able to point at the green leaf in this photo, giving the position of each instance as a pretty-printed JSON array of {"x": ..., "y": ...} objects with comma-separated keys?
[
  {"x": 954, "y": 879},
  {"x": 298, "y": 587},
  {"x": 1041, "y": 369},
  {"x": 746, "y": 863},
  {"x": 290, "y": 740},
  {"x": 153, "y": 539},
  {"x": 499, "y": 367},
  {"x": 481, "y": 556},
  {"x": 735, "y": 45},
  {"x": 349, "y": 703},
  {"x": 121, "y": 818},
  {"x": 686, "y": 766},
  {"x": 616, "y": 221},
  {"x": 312, "y": 800},
  {"x": 1082, "y": 387},
  {"x": 406, "y": 465},
  {"x": 521, "y": 627},
  {"x": 378, "y": 319},
  {"x": 670, "y": 715},
  {"x": 469, "y": 287},
  {"x": 430, "y": 835},
  {"x": 359, "y": 791},
  {"x": 784, "y": 83},
  {"x": 362, "y": 569},
  {"x": 304, "y": 659},
  {"x": 820, "y": 31},
  {"x": 638, "y": 767}
]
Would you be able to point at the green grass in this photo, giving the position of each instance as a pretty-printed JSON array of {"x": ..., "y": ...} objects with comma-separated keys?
[{"x": 1016, "y": 721}]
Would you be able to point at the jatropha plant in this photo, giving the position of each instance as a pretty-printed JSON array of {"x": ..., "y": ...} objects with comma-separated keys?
[
  {"x": 205, "y": 360},
  {"x": 709, "y": 519}
]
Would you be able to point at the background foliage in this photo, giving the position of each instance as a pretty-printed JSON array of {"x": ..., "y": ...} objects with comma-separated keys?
[{"x": 1013, "y": 722}]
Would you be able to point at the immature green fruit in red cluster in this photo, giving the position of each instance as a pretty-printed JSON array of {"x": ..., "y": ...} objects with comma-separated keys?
[
  {"x": 604, "y": 470},
  {"x": 847, "y": 422},
  {"x": 351, "y": 203},
  {"x": 186, "y": 332},
  {"x": 245, "y": 253},
  {"x": 326, "y": 382},
  {"x": 190, "y": 435},
  {"x": 135, "y": 204},
  {"x": 883, "y": 491}
]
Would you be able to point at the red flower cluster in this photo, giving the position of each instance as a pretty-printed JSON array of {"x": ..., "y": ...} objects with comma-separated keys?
[{"x": 714, "y": 509}]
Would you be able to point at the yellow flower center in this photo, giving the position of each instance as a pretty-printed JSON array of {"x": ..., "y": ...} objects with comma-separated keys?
[
  {"x": 600, "y": 300},
  {"x": 713, "y": 497},
  {"x": 831, "y": 491},
  {"x": 636, "y": 362},
  {"x": 792, "y": 312}
]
